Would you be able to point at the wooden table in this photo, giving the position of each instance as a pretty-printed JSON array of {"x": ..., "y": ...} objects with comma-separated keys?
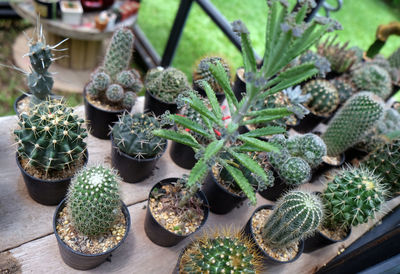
[{"x": 27, "y": 242}]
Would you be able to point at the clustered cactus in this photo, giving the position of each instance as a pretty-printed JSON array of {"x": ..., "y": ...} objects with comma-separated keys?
[
  {"x": 220, "y": 254},
  {"x": 344, "y": 87},
  {"x": 202, "y": 72},
  {"x": 51, "y": 137},
  {"x": 352, "y": 197},
  {"x": 166, "y": 84},
  {"x": 93, "y": 200},
  {"x": 114, "y": 83},
  {"x": 296, "y": 216},
  {"x": 359, "y": 115},
  {"x": 133, "y": 135},
  {"x": 324, "y": 97},
  {"x": 384, "y": 63}
]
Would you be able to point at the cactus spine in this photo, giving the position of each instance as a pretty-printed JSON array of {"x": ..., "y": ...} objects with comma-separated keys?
[
  {"x": 51, "y": 137},
  {"x": 324, "y": 97},
  {"x": 93, "y": 200},
  {"x": 360, "y": 113},
  {"x": 202, "y": 72},
  {"x": 296, "y": 216}
]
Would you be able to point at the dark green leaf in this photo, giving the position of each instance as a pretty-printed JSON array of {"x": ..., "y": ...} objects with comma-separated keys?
[
  {"x": 197, "y": 173},
  {"x": 265, "y": 131},
  {"x": 182, "y": 138},
  {"x": 212, "y": 99},
  {"x": 187, "y": 123},
  {"x": 261, "y": 145},
  {"x": 242, "y": 182}
]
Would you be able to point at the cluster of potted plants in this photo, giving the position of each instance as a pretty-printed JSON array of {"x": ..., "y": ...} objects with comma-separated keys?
[{"x": 228, "y": 164}]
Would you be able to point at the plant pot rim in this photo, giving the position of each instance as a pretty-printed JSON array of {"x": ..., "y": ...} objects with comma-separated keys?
[
  {"x": 239, "y": 75},
  {"x": 86, "y": 155},
  {"x": 158, "y": 99},
  {"x": 206, "y": 209},
  {"x": 158, "y": 156},
  {"x": 265, "y": 254},
  {"x": 224, "y": 188},
  {"x": 96, "y": 107},
  {"x": 128, "y": 225}
]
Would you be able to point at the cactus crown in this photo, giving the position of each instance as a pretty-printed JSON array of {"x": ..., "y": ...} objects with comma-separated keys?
[
  {"x": 341, "y": 59},
  {"x": 51, "y": 137},
  {"x": 202, "y": 72},
  {"x": 360, "y": 114},
  {"x": 133, "y": 135},
  {"x": 324, "y": 97},
  {"x": 352, "y": 197},
  {"x": 93, "y": 200},
  {"x": 220, "y": 253},
  {"x": 296, "y": 216},
  {"x": 166, "y": 84}
]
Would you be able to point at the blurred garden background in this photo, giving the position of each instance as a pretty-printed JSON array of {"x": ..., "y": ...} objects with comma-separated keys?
[{"x": 202, "y": 37}]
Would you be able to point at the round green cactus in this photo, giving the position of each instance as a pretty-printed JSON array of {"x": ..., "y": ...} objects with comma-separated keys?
[
  {"x": 374, "y": 79},
  {"x": 51, "y": 137},
  {"x": 100, "y": 81},
  {"x": 295, "y": 171},
  {"x": 202, "y": 72},
  {"x": 115, "y": 93},
  {"x": 345, "y": 89},
  {"x": 130, "y": 79},
  {"x": 296, "y": 216},
  {"x": 133, "y": 135},
  {"x": 93, "y": 200},
  {"x": 352, "y": 197},
  {"x": 92, "y": 91},
  {"x": 312, "y": 149},
  {"x": 360, "y": 114},
  {"x": 384, "y": 63},
  {"x": 129, "y": 100},
  {"x": 324, "y": 97}
]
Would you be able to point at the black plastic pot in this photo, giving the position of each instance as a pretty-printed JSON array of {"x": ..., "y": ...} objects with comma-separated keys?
[
  {"x": 248, "y": 230},
  {"x": 131, "y": 169},
  {"x": 99, "y": 120},
  {"x": 308, "y": 123},
  {"x": 275, "y": 192},
  {"x": 182, "y": 155},
  {"x": 239, "y": 86},
  {"x": 220, "y": 96},
  {"x": 319, "y": 240},
  {"x": 19, "y": 98},
  {"x": 220, "y": 199},
  {"x": 156, "y": 106},
  {"x": 156, "y": 232},
  {"x": 46, "y": 192},
  {"x": 355, "y": 153},
  {"x": 80, "y": 260}
]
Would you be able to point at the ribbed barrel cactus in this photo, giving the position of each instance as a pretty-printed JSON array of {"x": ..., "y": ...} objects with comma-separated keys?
[
  {"x": 352, "y": 197},
  {"x": 133, "y": 135},
  {"x": 202, "y": 72},
  {"x": 296, "y": 216},
  {"x": 51, "y": 137},
  {"x": 324, "y": 97},
  {"x": 93, "y": 200},
  {"x": 360, "y": 113}
]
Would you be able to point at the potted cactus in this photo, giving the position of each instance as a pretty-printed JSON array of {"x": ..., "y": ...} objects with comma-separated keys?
[
  {"x": 50, "y": 149},
  {"x": 113, "y": 86},
  {"x": 134, "y": 149},
  {"x": 173, "y": 213},
  {"x": 278, "y": 232},
  {"x": 202, "y": 73},
  {"x": 219, "y": 252},
  {"x": 351, "y": 198},
  {"x": 163, "y": 87},
  {"x": 92, "y": 221}
]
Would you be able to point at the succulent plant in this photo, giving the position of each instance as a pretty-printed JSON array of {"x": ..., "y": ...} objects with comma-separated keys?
[
  {"x": 296, "y": 216},
  {"x": 166, "y": 84},
  {"x": 202, "y": 72},
  {"x": 100, "y": 81},
  {"x": 372, "y": 78},
  {"x": 324, "y": 97},
  {"x": 92, "y": 91},
  {"x": 115, "y": 93},
  {"x": 344, "y": 87},
  {"x": 394, "y": 59},
  {"x": 133, "y": 135},
  {"x": 385, "y": 161},
  {"x": 320, "y": 62},
  {"x": 129, "y": 100},
  {"x": 310, "y": 148},
  {"x": 295, "y": 171},
  {"x": 130, "y": 80},
  {"x": 51, "y": 137},
  {"x": 341, "y": 59},
  {"x": 359, "y": 53},
  {"x": 381, "y": 61},
  {"x": 220, "y": 253},
  {"x": 358, "y": 115},
  {"x": 119, "y": 52},
  {"x": 352, "y": 197},
  {"x": 93, "y": 200}
]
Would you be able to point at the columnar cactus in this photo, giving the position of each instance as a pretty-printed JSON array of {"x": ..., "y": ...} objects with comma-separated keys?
[
  {"x": 133, "y": 135},
  {"x": 93, "y": 200},
  {"x": 51, "y": 137},
  {"x": 320, "y": 62},
  {"x": 360, "y": 114},
  {"x": 296, "y": 216},
  {"x": 344, "y": 87},
  {"x": 372, "y": 78},
  {"x": 166, "y": 84},
  {"x": 220, "y": 254},
  {"x": 324, "y": 97},
  {"x": 202, "y": 72},
  {"x": 352, "y": 197}
]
